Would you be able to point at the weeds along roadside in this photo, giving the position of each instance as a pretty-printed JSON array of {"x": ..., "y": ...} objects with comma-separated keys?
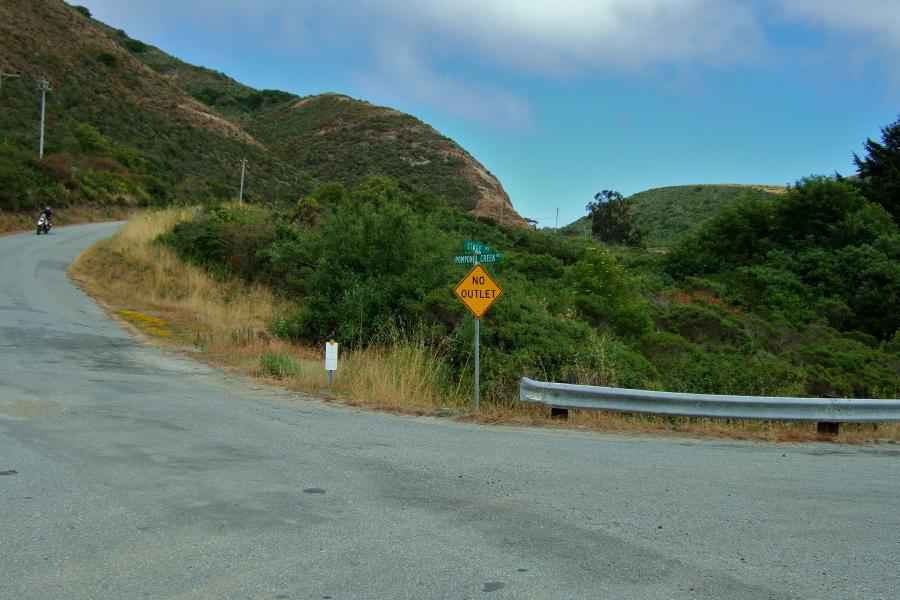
[{"x": 174, "y": 305}]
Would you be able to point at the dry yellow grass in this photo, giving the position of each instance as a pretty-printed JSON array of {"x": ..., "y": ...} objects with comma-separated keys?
[
  {"x": 151, "y": 291},
  {"x": 128, "y": 272}
]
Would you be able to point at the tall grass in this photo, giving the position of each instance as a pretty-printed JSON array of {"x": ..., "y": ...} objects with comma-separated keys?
[
  {"x": 132, "y": 270},
  {"x": 402, "y": 370}
]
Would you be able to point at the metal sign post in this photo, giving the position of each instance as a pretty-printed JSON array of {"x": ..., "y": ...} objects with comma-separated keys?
[
  {"x": 478, "y": 292},
  {"x": 331, "y": 358},
  {"x": 477, "y": 365}
]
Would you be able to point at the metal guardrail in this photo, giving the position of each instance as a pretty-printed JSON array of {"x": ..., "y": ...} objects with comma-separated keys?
[{"x": 562, "y": 397}]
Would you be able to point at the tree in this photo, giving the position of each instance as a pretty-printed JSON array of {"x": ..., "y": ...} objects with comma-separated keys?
[
  {"x": 603, "y": 294},
  {"x": 813, "y": 210},
  {"x": 611, "y": 219},
  {"x": 880, "y": 169},
  {"x": 135, "y": 46},
  {"x": 91, "y": 141},
  {"x": 108, "y": 59}
]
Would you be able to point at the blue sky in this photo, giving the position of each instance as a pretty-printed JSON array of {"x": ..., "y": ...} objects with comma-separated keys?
[{"x": 561, "y": 99}]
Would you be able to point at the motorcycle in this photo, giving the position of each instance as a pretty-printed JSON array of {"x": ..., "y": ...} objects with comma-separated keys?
[{"x": 43, "y": 224}]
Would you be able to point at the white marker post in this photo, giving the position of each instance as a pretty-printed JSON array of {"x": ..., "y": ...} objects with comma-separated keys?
[{"x": 331, "y": 358}]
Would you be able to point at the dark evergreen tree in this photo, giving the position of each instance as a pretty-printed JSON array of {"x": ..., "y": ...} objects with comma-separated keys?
[
  {"x": 611, "y": 219},
  {"x": 880, "y": 169}
]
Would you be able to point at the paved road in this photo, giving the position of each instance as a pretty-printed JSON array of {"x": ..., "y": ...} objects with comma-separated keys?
[{"x": 127, "y": 472}]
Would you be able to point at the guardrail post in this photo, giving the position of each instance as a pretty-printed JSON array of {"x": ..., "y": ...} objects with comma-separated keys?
[
  {"x": 560, "y": 414},
  {"x": 828, "y": 427}
]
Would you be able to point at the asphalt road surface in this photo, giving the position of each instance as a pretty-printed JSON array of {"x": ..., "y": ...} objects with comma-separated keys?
[{"x": 128, "y": 472}]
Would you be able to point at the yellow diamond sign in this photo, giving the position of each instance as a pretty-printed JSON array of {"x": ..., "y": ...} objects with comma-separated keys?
[{"x": 478, "y": 291}]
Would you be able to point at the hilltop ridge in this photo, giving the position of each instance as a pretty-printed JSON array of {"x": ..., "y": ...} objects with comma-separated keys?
[{"x": 668, "y": 212}]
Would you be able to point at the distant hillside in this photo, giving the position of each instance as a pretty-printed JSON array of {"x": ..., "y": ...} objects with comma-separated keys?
[
  {"x": 668, "y": 212},
  {"x": 189, "y": 127}
]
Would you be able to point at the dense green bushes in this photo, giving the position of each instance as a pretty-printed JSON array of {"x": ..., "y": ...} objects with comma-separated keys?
[
  {"x": 25, "y": 184},
  {"x": 366, "y": 263},
  {"x": 97, "y": 177},
  {"x": 790, "y": 295},
  {"x": 819, "y": 249}
]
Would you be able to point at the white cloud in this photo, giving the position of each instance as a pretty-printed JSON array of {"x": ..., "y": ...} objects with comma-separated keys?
[
  {"x": 537, "y": 38},
  {"x": 402, "y": 76},
  {"x": 858, "y": 36},
  {"x": 448, "y": 53},
  {"x": 877, "y": 20},
  {"x": 563, "y": 36}
]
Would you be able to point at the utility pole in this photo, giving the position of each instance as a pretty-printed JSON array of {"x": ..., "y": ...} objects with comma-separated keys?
[
  {"x": 241, "y": 196},
  {"x": 556, "y": 229},
  {"x": 45, "y": 87}
]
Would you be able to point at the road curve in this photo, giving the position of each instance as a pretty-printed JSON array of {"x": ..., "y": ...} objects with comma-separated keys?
[{"x": 128, "y": 472}]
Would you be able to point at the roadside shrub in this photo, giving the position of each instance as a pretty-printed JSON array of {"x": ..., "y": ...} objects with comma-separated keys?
[
  {"x": 200, "y": 242},
  {"x": 25, "y": 183},
  {"x": 702, "y": 324},
  {"x": 732, "y": 374},
  {"x": 290, "y": 327},
  {"x": 534, "y": 266},
  {"x": 602, "y": 293},
  {"x": 91, "y": 141},
  {"x": 135, "y": 46},
  {"x": 107, "y": 59},
  {"x": 846, "y": 367},
  {"x": 104, "y": 186},
  {"x": 371, "y": 266},
  {"x": 520, "y": 339},
  {"x": 159, "y": 192},
  {"x": 663, "y": 346},
  {"x": 277, "y": 365}
]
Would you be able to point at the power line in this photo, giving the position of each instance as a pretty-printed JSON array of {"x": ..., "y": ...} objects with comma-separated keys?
[{"x": 5, "y": 75}]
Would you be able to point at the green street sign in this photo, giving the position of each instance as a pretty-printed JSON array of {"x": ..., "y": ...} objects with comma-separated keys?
[
  {"x": 476, "y": 247},
  {"x": 474, "y": 259}
]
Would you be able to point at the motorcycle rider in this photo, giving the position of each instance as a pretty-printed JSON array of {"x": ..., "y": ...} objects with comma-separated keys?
[{"x": 45, "y": 220}]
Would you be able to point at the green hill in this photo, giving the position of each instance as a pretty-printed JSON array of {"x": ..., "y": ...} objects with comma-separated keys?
[
  {"x": 668, "y": 212},
  {"x": 130, "y": 124}
]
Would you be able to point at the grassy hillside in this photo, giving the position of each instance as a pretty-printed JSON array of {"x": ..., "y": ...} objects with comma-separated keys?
[
  {"x": 115, "y": 131},
  {"x": 666, "y": 213},
  {"x": 340, "y": 139},
  {"x": 335, "y": 138},
  {"x": 160, "y": 129}
]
